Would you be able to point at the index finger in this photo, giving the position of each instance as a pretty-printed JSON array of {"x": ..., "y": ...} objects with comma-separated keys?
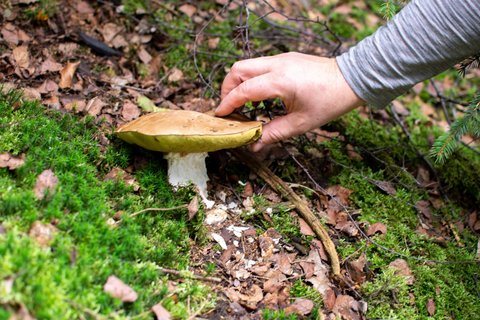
[{"x": 244, "y": 70}]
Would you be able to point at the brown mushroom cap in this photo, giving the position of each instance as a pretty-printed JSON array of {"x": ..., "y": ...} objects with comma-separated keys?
[{"x": 188, "y": 132}]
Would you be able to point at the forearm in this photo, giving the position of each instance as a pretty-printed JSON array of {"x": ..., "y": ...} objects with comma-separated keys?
[{"x": 424, "y": 39}]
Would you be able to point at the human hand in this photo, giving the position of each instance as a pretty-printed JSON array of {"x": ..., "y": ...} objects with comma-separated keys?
[{"x": 313, "y": 89}]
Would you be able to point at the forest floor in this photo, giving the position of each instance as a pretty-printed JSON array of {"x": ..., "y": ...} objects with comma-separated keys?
[{"x": 90, "y": 228}]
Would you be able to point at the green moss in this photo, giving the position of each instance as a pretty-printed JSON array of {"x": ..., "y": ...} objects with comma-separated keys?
[{"x": 50, "y": 282}]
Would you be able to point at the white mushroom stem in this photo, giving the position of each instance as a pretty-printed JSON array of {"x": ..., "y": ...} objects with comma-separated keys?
[{"x": 189, "y": 168}]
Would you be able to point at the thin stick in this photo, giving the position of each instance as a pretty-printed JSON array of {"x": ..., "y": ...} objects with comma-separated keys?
[
  {"x": 193, "y": 276},
  {"x": 285, "y": 191},
  {"x": 183, "y": 206}
]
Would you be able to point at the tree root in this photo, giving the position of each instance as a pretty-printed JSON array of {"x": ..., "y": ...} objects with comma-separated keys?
[{"x": 285, "y": 191}]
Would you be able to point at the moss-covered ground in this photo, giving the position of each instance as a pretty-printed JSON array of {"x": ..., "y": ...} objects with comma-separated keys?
[{"x": 65, "y": 280}]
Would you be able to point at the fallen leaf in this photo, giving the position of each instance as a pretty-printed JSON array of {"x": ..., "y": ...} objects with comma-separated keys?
[
  {"x": 249, "y": 299},
  {"x": 320, "y": 280},
  {"x": 84, "y": 7},
  {"x": 67, "y": 73},
  {"x": 385, "y": 186},
  {"x": 276, "y": 280},
  {"x": 431, "y": 307},
  {"x": 75, "y": 105},
  {"x": 347, "y": 227},
  {"x": 49, "y": 65},
  {"x": 21, "y": 56},
  {"x": 188, "y": 9},
  {"x": 130, "y": 111},
  {"x": 144, "y": 56},
  {"x": 9, "y": 34},
  {"x": 266, "y": 246},
  {"x": 213, "y": 42},
  {"x": 247, "y": 190},
  {"x": 161, "y": 313},
  {"x": 94, "y": 106},
  {"x": 356, "y": 269},
  {"x": 377, "y": 227},
  {"x": 192, "y": 208},
  {"x": 118, "y": 289},
  {"x": 42, "y": 233},
  {"x": 31, "y": 94},
  {"x": 48, "y": 86},
  {"x": 305, "y": 228},
  {"x": 402, "y": 269},
  {"x": 11, "y": 162},
  {"x": 46, "y": 182},
  {"x": 175, "y": 75},
  {"x": 120, "y": 174},
  {"x": 348, "y": 308},
  {"x": 284, "y": 264},
  {"x": 301, "y": 307}
]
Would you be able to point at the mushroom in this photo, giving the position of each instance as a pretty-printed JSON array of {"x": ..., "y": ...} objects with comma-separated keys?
[{"x": 186, "y": 137}]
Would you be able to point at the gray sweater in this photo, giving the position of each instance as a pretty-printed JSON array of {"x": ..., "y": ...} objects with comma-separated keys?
[{"x": 425, "y": 38}]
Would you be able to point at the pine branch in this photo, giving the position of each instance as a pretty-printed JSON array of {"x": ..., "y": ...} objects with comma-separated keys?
[
  {"x": 448, "y": 142},
  {"x": 469, "y": 63}
]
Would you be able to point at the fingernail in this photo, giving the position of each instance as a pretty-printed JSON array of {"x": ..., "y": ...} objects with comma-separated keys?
[{"x": 257, "y": 146}]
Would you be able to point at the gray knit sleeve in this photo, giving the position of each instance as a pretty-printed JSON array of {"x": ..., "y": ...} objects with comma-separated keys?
[{"x": 425, "y": 38}]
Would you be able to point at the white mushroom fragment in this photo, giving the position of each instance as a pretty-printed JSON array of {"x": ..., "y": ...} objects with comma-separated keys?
[{"x": 186, "y": 137}]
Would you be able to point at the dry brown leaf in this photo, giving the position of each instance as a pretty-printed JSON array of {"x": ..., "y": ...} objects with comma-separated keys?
[
  {"x": 75, "y": 105},
  {"x": 385, "y": 186},
  {"x": 9, "y": 34},
  {"x": 21, "y": 56},
  {"x": 347, "y": 227},
  {"x": 247, "y": 190},
  {"x": 348, "y": 308},
  {"x": 213, "y": 42},
  {"x": 356, "y": 269},
  {"x": 423, "y": 207},
  {"x": 193, "y": 208},
  {"x": 53, "y": 102},
  {"x": 377, "y": 227},
  {"x": 188, "y": 9},
  {"x": 402, "y": 269},
  {"x": 305, "y": 228},
  {"x": 42, "y": 233},
  {"x": 284, "y": 263},
  {"x": 249, "y": 299},
  {"x": 266, "y": 246},
  {"x": 67, "y": 73},
  {"x": 11, "y": 162},
  {"x": 301, "y": 307},
  {"x": 110, "y": 31},
  {"x": 120, "y": 174},
  {"x": 31, "y": 94},
  {"x": 431, "y": 307},
  {"x": 319, "y": 280},
  {"x": 130, "y": 111},
  {"x": 118, "y": 289},
  {"x": 84, "y": 7},
  {"x": 49, "y": 65},
  {"x": 47, "y": 86},
  {"x": 21, "y": 314},
  {"x": 144, "y": 56},
  {"x": 175, "y": 75},
  {"x": 276, "y": 280},
  {"x": 161, "y": 313},
  {"x": 95, "y": 106},
  {"x": 46, "y": 182}
]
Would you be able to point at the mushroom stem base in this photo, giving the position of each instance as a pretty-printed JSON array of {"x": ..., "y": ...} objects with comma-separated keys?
[{"x": 185, "y": 169}]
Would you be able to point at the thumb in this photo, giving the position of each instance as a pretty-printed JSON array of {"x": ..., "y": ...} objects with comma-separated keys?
[{"x": 280, "y": 128}]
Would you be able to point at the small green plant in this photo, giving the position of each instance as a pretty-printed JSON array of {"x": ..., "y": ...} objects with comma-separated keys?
[{"x": 448, "y": 142}]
